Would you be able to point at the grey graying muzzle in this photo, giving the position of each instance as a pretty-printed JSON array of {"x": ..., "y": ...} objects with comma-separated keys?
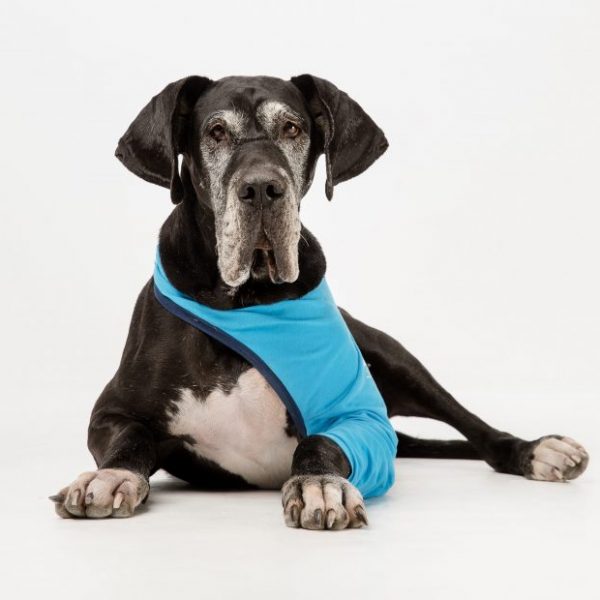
[{"x": 260, "y": 206}]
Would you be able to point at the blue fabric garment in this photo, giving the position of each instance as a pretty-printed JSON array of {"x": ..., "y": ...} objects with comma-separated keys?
[{"x": 308, "y": 355}]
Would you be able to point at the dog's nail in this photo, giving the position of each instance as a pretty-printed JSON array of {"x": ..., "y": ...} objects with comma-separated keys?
[
  {"x": 89, "y": 498},
  {"x": 75, "y": 497},
  {"x": 576, "y": 458},
  {"x": 571, "y": 462},
  {"x": 318, "y": 517},
  {"x": 330, "y": 518},
  {"x": 58, "y": 498},
  {"x": 571, "y": 441},
  {"x": 295, "y": 514},
  {"x": 361, "y": 515},
  {"x": 558, "y": 474},
  {"x": 118, "y": 501}
]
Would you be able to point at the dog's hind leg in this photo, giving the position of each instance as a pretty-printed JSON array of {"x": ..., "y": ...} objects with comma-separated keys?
[
  {"x": 412, "y": 447},
  {"x": 409, "y": 390}
]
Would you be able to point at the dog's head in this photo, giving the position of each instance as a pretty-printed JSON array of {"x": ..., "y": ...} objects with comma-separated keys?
[{"x": 249, "y": 147}]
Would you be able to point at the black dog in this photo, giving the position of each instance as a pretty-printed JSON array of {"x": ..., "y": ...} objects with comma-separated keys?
[{"x": 184, "y": 402}]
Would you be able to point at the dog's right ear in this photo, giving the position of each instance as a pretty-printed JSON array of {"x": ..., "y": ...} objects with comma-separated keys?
[{"x": 153, "y": 142}]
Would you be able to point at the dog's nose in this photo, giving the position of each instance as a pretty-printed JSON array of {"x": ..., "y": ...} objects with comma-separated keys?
[{"x": 261, "y": 193}]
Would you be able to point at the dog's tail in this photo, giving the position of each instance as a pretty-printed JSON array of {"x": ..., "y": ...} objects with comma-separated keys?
[{"x": 410, "y": 447}]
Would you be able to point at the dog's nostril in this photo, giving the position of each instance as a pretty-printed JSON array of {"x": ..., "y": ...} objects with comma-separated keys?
[
  {"x": 247, "y": 193},
  {"x": 274, "y": 191}
]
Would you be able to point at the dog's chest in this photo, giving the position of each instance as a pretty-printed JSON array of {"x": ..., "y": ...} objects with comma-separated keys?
[{"x": 243, "y": 430}]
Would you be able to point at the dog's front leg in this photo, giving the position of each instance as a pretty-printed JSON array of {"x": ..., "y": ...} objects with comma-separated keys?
[
  {"x": 125, "y": 452},
  {"x": 318, "y": 495}
]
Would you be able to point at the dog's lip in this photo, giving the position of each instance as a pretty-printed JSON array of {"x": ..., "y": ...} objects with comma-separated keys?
[
  {"x": 272, "y": 266},
  {"x": 264, "y": 243},
  {"x": 265, "y": 258},
  {"x": 265, "y": 255}
]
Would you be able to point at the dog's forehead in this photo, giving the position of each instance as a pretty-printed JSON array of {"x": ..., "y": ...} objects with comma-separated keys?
[{"x": 247, "y": 94}]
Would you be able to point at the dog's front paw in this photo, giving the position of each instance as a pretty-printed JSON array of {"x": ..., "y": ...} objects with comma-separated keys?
[
  {"x": 103, "y": 493},
  {"x": 555, "y": 458},
  {"x": 322, "y": 502}
]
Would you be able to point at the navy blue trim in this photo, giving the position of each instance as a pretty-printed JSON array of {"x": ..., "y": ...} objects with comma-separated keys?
[{"x": 243, "y": 350}]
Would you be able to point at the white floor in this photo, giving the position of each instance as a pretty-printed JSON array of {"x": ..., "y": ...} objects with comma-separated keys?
[{"x": 448, "y": 529}]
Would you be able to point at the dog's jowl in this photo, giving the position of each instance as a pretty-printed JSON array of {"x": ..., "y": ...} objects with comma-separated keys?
[{"x": 239, "y": 370}]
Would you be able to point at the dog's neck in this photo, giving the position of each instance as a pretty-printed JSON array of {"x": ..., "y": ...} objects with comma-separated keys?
[{"x": 188, "y": 253}]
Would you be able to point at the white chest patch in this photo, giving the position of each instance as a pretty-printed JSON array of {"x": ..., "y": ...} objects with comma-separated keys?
[{"x": 243, "y": 431}]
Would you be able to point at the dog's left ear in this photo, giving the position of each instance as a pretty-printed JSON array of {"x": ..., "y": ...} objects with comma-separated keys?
[
  {"x": 349, "y": 138},
  {"x": 151, "y": 145}
]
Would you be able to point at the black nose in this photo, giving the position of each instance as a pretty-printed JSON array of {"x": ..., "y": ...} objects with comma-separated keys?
[{"x": 261, "y": 193}]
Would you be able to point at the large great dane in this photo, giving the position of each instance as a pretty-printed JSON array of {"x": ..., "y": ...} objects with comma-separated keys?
[{"x": 182, "y": 400}]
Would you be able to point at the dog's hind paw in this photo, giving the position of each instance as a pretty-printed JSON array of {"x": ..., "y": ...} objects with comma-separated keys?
[
  {"x": 322, "y": 502},
  {"x": 103, "y": 493},
  {"x": 556, "y": 458}
]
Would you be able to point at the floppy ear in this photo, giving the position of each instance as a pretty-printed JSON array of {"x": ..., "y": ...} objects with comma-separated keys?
[
  {"x": 151, "y": 145},
  {"x": 350, "y": 139}
]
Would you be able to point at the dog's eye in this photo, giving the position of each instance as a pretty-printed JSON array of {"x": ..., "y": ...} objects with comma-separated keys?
[
  {"x": 217, "y": 132},
  {"x": 291, "y": 130}
]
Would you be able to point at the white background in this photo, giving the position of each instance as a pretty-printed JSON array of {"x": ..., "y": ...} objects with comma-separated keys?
[{"x": 474, "y": 240}]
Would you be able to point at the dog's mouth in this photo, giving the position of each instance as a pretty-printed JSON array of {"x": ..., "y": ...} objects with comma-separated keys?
[
  {"x": 263, "y": 261},
  {"x": 262, "y": 245}
]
